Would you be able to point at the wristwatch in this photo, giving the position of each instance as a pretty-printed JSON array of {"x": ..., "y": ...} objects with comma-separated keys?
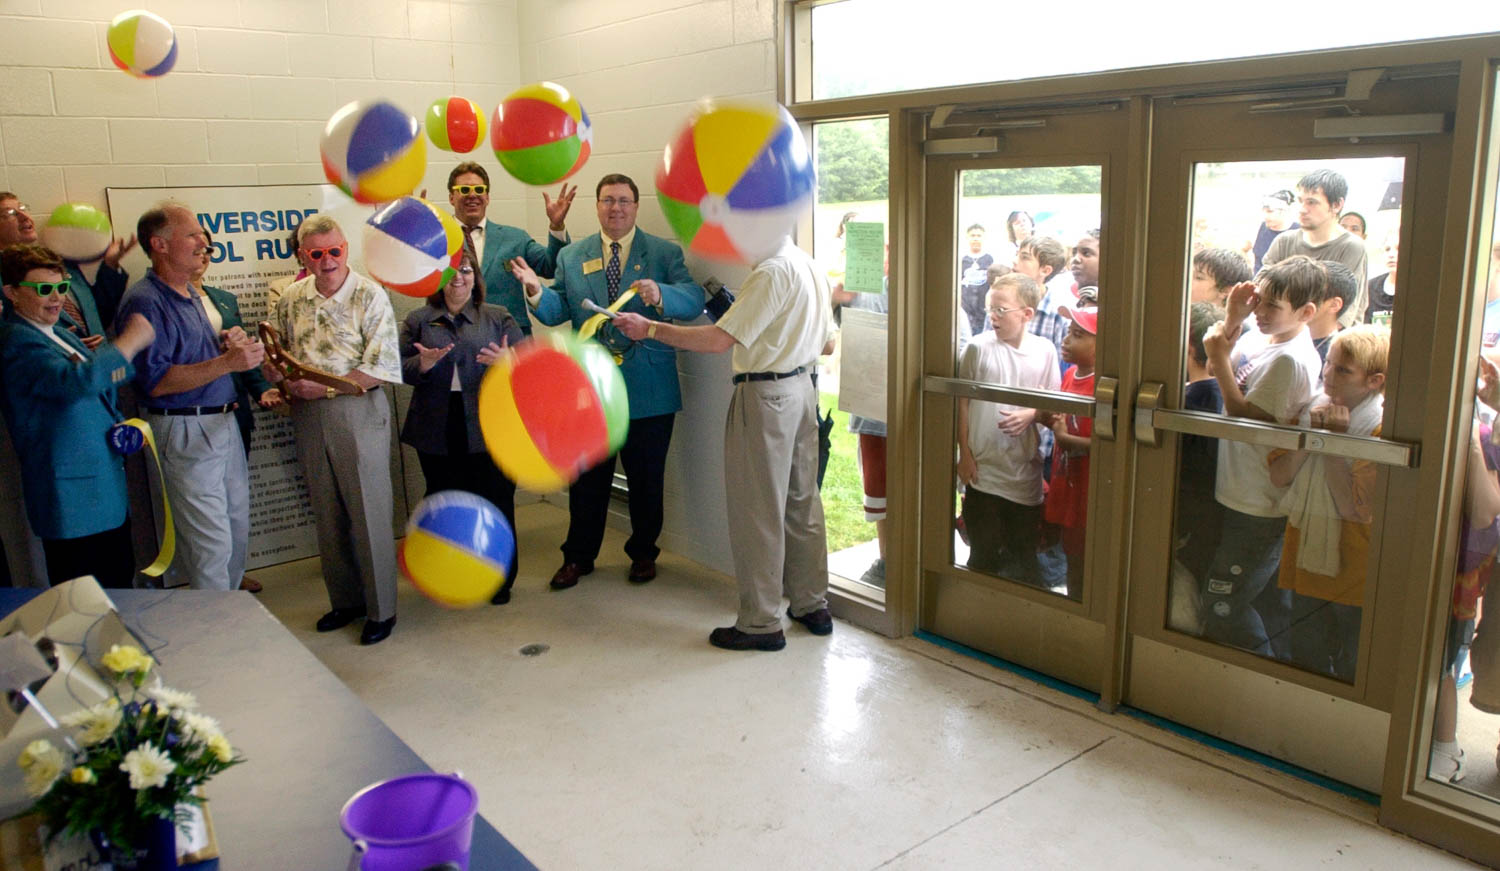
[
  {"x": 651, "y": 331},
  {"x": 332, "y": 393}
]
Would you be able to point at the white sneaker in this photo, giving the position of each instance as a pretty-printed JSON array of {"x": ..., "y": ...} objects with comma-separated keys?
[{"x": 1447, "y": 767}]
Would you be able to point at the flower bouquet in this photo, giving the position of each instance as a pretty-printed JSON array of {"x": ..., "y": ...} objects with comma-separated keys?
[{"x": 132, "y": 767}]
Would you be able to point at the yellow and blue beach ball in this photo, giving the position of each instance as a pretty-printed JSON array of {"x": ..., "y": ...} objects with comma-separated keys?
[
  {"x": 142, "y": 44},
  {"x": 373, "y": 151},
  {"x": 412, "y": 246},
  {"x": 457, "y": 548},
  {"x": 735, "y": 180}
]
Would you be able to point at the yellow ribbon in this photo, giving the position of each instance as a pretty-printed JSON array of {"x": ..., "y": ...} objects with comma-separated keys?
[
  {"x": 592, "y": 325},
  {"x": 168, "y": 539}
]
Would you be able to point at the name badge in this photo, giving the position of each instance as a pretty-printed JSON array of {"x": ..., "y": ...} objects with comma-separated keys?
[{"x": 592, "y": 266}]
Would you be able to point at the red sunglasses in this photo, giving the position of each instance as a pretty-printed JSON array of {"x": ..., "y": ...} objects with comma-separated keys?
[{"x": 316, "y": 254}]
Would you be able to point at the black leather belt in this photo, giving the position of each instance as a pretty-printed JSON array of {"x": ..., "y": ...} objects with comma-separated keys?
[
  {"x": 768, "y": 376},
  {"x": 192, "y": 410}
]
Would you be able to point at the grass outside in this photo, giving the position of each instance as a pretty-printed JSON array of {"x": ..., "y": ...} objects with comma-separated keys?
[{"x": 843, "y": 491}]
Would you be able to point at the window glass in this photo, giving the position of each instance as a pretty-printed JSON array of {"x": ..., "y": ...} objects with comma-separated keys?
[
  {"x": 880, "y": 46},
  {"x": 1288, "y": 311},
  {"x": 853, "y": 165}
]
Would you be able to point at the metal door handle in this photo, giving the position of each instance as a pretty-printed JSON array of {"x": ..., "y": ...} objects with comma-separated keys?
[
  {"x": 1100, "y": 409},
  {"x": 1151, "y": 420}
]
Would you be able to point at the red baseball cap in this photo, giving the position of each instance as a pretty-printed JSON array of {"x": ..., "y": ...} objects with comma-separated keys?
[{"x": 1088, "y": 318}]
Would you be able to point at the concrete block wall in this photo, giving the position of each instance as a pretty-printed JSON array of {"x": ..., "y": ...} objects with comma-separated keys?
[
  {"x": 638, "y": 67},
  {"x": 254, "y": 83}
]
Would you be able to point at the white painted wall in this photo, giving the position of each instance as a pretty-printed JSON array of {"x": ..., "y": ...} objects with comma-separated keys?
[
  {"x": 254, "y": 83},
  {"x": 638, "y": 66},
  {"x": 256, "y": 79}
]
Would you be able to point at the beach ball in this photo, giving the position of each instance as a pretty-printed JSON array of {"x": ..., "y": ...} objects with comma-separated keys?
[
  {"x": 373, "y": 151},
  {"x": 142, "y": 44},
  {"x": 734, "y": 181},
  {"x": 412, "y": 247},
  {"x": 457, "y": 549},
  {"x": 78, "y": 232},
  {"x": 541, "y": 134},
  {"x": 553, "y": 410},
  {"x": 455, "y": 124}
]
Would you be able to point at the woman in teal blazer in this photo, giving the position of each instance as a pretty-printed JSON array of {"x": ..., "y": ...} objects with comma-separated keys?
[{"x": 59, "y": 402}]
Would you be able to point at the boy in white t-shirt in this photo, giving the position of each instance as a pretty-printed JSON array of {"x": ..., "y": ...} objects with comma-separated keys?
[
  {"x": 998, "y": 445},
  {"x": 1277, "y": 381}
]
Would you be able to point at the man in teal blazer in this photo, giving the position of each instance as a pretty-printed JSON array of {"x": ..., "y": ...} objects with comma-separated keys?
[
  {"x": 496, "y": 245},
  {"x": 600, "y": 268},
  {"x": 59, "y": 402}
]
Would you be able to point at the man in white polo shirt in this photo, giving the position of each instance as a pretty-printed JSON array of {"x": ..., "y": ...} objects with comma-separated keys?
[{"x": 778, "y": 326}]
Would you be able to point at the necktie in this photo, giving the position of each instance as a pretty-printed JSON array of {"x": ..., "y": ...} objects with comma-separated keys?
[
  {"x": 469, "y": 241},
  {"x": 70, "y": 305},
  {"x": 612, "y": 272}
]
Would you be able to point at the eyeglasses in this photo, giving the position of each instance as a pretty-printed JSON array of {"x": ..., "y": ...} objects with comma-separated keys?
[
  {"x": 611, "y": 202},
  {"x": 1002, "y": 312},
  {"x": 316, "y": 254},
  {"x": 466, "y": 189},
  {"x": 47, "y": 288},
  {"x": 465, "y": 270},
  {"x": 16, "y": 211}
]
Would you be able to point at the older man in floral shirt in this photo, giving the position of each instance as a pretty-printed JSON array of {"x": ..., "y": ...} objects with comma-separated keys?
[{"x": 341, "y": 322}]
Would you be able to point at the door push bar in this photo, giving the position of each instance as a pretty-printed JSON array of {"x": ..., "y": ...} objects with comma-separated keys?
[
  {"x": 1100, "y": 409},
  {"x": 1151, "y": 420}
]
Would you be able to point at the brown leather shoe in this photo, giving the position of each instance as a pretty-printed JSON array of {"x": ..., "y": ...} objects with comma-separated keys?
[
  {"x": 642, "y": 570},
  {"x": 568, "y": 576},
  {"x": 250, "y": 585}
]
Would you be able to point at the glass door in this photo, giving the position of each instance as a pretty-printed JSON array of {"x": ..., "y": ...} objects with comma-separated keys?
[
  {"x": 1022, "y": 295},
  {"x": 1278, "y": 416}
]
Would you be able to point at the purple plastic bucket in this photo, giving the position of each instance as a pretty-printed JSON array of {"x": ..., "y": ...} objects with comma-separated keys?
[{"x": 412, "y": 822}]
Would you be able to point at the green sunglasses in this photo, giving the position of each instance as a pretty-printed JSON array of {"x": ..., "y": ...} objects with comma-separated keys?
[{"x": 47, "y": 288}]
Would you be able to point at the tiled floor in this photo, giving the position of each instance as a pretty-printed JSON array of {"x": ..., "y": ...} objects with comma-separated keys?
[{"x": 631, "y": 743}]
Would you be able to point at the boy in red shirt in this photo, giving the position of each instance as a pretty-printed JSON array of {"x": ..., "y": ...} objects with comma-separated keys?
[{"x": 1068, "y": 493}]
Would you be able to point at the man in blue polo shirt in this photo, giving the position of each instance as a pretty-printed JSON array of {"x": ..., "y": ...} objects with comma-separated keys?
[{"x": 188, "y": 396}]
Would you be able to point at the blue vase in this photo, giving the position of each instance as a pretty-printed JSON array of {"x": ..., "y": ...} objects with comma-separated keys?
[{"x": 157, "y": 850}]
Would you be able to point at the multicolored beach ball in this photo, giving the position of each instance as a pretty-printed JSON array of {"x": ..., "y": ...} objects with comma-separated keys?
[
  {"x": 412, "y": 247},
  {"x": 553, "y": 410},
  {"x": 78, "y": 232},
  {"x": 457, "y": 549},
  {"x": 455, "y": 124},
  {"x": 540, "y": 134},
  {"x": 735, "y": 179},
  {"x": 373, "y": 151},
  {"x": 142, "y": 44}
]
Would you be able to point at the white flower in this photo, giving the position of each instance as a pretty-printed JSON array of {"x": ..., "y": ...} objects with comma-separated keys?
[
  {"x": 147, "y": 766},
  {"x": 200, "y": 727},
  {"x": 98, "y": 722},
  {"x": 168, "y": 699},
  {"x": 43, "y": 763}
]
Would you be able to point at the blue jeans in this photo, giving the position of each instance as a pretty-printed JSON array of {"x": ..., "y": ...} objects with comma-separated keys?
[{"x": 1248, "y": 557}]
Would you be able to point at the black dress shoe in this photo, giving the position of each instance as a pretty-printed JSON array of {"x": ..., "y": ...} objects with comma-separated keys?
[
  {"x": 731, "y": 638},
  {"x": 642, "y": 570},
  {"x": 338, "y": 618},
  {"x": 818, "y": 622},
  {"x": 568, "y": 576},
  {"x": 376, "y": 631},
  {"x": 501, "y": 597}
]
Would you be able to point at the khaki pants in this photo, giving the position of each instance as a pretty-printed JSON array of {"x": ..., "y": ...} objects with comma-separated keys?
[
  {"x": 775, "y": 513},
  {"x": 344, "y": 448}
]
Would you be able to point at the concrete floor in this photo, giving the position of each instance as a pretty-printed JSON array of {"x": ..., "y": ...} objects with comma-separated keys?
[{"x": 631, "y": 743}]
